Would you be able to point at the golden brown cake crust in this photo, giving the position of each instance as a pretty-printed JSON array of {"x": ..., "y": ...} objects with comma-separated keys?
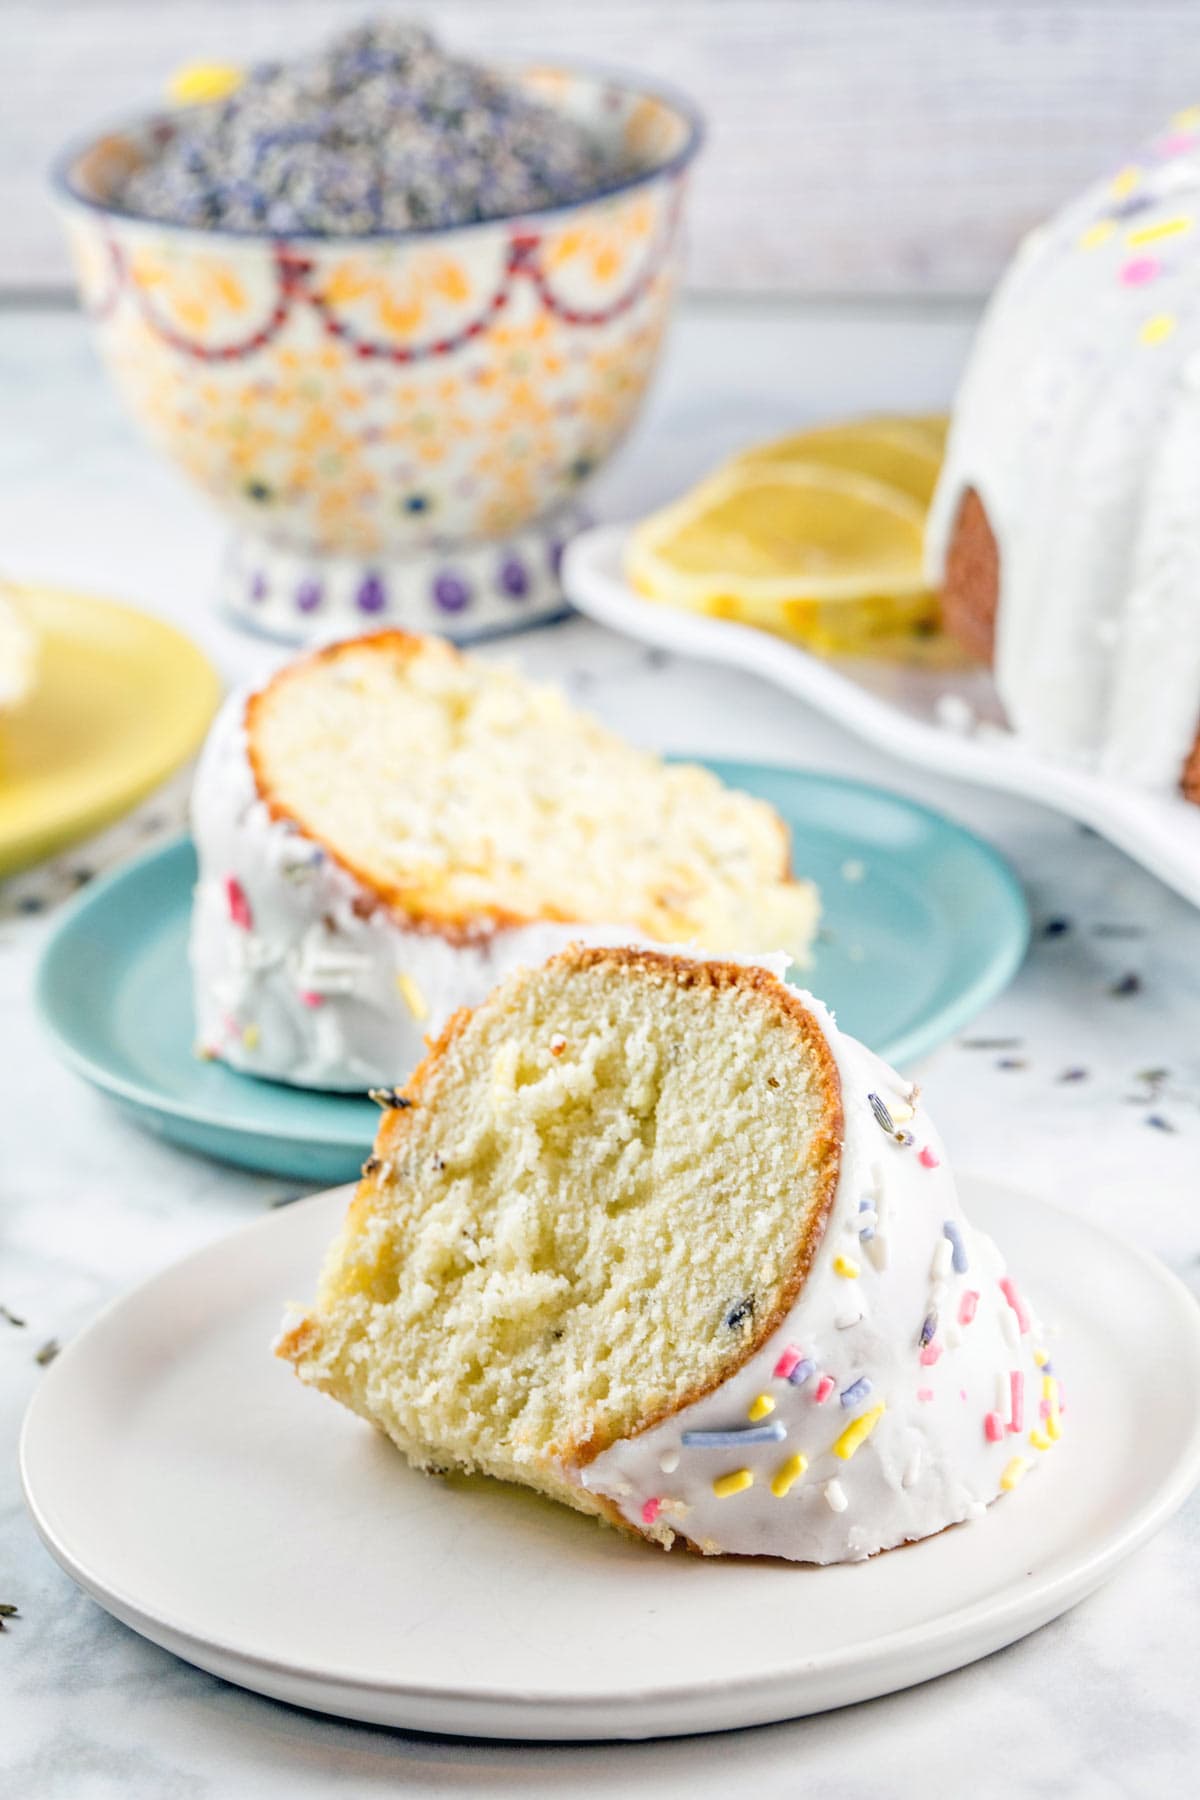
[
  {"x": 971, "y": 584},
  {"x": 400, "y": 1118},
  {"x": 484, "y": 925}
]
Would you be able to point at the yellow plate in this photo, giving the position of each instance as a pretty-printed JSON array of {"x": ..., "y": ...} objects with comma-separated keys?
[{"x": 120, "y": 701}]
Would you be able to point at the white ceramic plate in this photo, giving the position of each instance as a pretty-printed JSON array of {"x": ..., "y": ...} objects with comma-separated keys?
[
  {"x": 196, "y": 1490},
  {"x": 895, "y": 707}
]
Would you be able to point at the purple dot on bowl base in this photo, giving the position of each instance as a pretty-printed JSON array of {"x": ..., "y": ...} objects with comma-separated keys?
[
  {"x": 258, "y": 587},
  {"x": 371, "y": 597},
  {"x": 308, "y": 596},
  {"x": 451, "y": 594},
  {"x": 514, "y": 579}
]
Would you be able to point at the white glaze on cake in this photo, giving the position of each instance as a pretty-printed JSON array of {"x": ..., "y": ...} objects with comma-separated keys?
[
  {"x": 1078, "y": 424},
  {"x": 295, "y": 978},
  {"x": 928, "y": 1461}
]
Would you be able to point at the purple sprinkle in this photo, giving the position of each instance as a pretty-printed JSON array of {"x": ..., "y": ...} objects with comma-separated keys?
[
  {"x": 1159, "y": 1123},
  {"x": 858, "y": 1390},
  {"x": 773, "y": 1433},
  {"x": 868, "y": 1231},
  {"x": 258, "y": 587},
  {"x": 802, "y": 1372},
  {"x": 514, "y": 579},
  {"x": 1074, "y": 1074},
  {"x": 308, "y": 596},
  {"x": 371, "y": 596},
  {"x": 928, "y": 1328},
  {"x": 1056, "y": 927},
  {"x": 959, "y": 1259},
  {"x": 451, "y": 594},
  {"x": 1128, "y": 984}
]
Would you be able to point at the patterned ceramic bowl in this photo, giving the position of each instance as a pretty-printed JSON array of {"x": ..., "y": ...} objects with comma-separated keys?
[{"x": 397, "y": 425}]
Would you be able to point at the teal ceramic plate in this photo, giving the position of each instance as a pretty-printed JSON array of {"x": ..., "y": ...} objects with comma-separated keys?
[{"x": 923, "y": 924}]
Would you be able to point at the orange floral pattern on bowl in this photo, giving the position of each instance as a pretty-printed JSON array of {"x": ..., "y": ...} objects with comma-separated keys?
[{"x": 382, "y": 396}]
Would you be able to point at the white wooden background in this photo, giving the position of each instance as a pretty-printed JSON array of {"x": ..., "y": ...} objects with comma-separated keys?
[{"x": 857, "y": 146}]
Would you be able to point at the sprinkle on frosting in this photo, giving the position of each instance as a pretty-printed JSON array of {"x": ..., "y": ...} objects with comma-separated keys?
[
  {"x": 857, "y": 1433},
  {"x": 967, "y": 1305},
  {"x": 1008, "y": 1289},
  {"x": 251, "y": 1036},
  {"x": 928, "y": 1158},
  {"x": 734, "y": 1483},
  {"x": 412, "y": 996},
  {"x": 650, "y": 1510},
  {"x": 803, "y": 1371},
  {"x": 958, "y": 1248},
  {"x": 788, "y": 1359},
  {"x": 858, "y": 1390},
  {"x": 761, "y": 1407},
  {"x": 773, "y": 1433},
  {"x": 787, "y": 1475},
  {"x": 847, "y": 1267},
  {"x": 1013, "y": 1473},
  {"x": 993, "y": 1427},
  {"x": 669, "y": 1462},
  {"x": 835, "y": 1496},
  {"x": 1017, "y": 1397},
  {"x": 824, "y": 1388},
  {"x": 239, "y": 907}
]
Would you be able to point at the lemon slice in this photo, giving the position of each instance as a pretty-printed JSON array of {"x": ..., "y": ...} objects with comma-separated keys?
[
  {"x": 904, "y": 453},
  {"x": 817, "y": 553}
]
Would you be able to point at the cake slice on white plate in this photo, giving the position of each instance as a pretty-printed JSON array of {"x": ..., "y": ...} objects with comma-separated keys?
[
  {"x": 650, "y": 1234},
  {"x": 388, "y": 826}
]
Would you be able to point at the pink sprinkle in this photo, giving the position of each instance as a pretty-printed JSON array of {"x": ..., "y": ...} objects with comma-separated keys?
[
  {"x": 966, "y": 1309},
  {"x": 1176, "y": 143},
  {"x": 650, "y": 1510},
  {"x": 825, "y": 1387},
  {"x": 962, "y": 1393},
  {"x": 927, "y": 1158},
  {"x": 993, "y": 1427},
  {"x": 1139, "y": 270},
  {"x": 1043, "y": 1409},
  {"x": 787, "y": 1362},
  {"x": 1017, "y": 1382},
  {"x": 930, "y": 1354},
  {"x": 308, "y": 998},
  {"x": 1014, "y": 1300},
  {"x": 239, "y": 906},
  {"x": 924, "y": 1393}
]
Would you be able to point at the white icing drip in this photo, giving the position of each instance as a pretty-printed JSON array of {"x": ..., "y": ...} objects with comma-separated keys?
[
  {"x": 1083, "y": 442},
  {"x": 925, "y": 1464}
]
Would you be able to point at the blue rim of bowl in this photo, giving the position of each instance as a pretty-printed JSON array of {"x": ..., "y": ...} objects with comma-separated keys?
[
  {"x": 990, "y": 981},
  {"x": 62, "y": 168}
]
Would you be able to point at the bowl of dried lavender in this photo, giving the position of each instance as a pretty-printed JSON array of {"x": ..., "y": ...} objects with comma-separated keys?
[{"x": 390, "y": 310}]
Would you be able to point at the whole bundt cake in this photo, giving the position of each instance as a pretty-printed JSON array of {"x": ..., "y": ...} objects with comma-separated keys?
[{"x": 1065, "y": 530}]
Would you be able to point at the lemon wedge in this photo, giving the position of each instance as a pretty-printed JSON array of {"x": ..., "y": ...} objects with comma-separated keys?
[
  {"x": 814, "y": 552},
  {"x": 904, "y": 453}
]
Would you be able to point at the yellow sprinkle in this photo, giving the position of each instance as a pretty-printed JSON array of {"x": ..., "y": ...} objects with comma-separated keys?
[
  {"x": 250, "y": 1037},
  {"x": 1097, "y": 234},
  {"x": 1049, "y": 1386},
  {"x": 787, "y": 1473},
  {"x": 1187, "y": 119},
  {"x": 737, "y": 1483},
  {"x": 900, "y": 1110},
  {"x": 412, "y": 996},
  {"x": 1040, "y": 1358},
  {"x": 1013, "y": 1473},
  {"x": 1039, "y": 1440},
  {"x": 845, "y": 1265},
  {"x": 1124, "y": 182},
  {"x": 761, "y": 1407},
  {"x": 199, "y": 83},
  {"x": 858, "y": 1432},
  {"x": 1054, "y": 1425},
  {"x": 1150, "y": 234},
  {"x": 1158, "y": 329}
]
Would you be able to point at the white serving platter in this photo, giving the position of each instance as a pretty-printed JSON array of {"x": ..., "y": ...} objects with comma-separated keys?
[
  {"x": 189, "y": 1483},
  {"x": 901, "y": 708}
]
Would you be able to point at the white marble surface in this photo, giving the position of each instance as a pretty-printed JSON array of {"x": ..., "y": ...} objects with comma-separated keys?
[{"x": 1104, "y": 1701}]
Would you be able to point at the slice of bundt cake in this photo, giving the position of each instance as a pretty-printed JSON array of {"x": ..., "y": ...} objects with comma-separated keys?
[
  {"x": 388, "y": 826},
  {"x": 650, "y": 1234}
]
